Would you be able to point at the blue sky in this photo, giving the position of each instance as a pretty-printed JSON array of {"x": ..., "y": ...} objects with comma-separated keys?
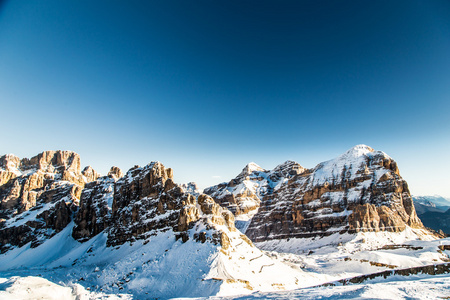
[{"x": 208, "y": 86}]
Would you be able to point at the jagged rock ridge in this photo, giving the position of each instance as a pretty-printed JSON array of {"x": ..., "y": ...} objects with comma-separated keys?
[
  {"x": 39, "y": 195},
  {"x": 147, "y": 201},
  {"x": 243, "y": 194}
]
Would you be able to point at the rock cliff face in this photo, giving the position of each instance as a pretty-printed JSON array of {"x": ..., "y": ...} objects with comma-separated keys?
[
  {"x": 361, "y": 190},
  {"x": 39, "y": 195},
  {"x": 140, "y": 227},
  {"x": 147, "y": 202},
  {"x": 115, "y": 172},
  {"x": 24, "y": 181},
  {"x": 94, "y": 213}
]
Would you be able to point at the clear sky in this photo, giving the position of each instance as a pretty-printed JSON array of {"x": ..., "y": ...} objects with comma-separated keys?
[{"x": 207, "y": 86}]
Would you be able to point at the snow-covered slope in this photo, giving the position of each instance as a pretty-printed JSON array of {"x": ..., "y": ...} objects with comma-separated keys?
[
  {"x": 166, "y": 268},
  {"x": 396, "y": 287},
  {"x": 163, "y": 267}
]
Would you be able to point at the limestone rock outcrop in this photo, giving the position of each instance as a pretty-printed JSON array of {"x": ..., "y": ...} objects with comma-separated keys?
[
  {"x": 53, "y": 162},
  {"x": 144, "y": 203},
  {"x": 42, "y": 195},
  {"x": 52, "y": 213},
  {"x": 115, "y": 172},
  {"x": 94, "y": 212},
  {"x": 147, "y": 201},
  {"x": 141, "y": 197},
  {"x": 361, "y": 190},
  {"x": 38, "y": 195},
  {"x": 90, "y": 174},
  {"x": 9, "y": 168}
]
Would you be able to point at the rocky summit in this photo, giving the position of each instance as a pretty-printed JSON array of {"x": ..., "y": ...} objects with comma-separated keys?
[
  {"x": 38, "y": 196},
  {"x": 359, "y": 191}
]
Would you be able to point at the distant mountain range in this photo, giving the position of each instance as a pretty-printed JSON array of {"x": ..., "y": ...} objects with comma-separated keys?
[
  {"x": 436, "y": 199},
  {"x": 434, "y": 212}
]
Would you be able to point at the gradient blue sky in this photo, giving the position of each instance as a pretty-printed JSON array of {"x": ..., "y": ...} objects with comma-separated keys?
[{"x": 208, "y": 86}]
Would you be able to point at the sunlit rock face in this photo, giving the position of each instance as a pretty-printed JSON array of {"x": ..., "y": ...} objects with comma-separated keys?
[
  {"x": 146, "y": 202},
  {"x": 39, "y": 195}
]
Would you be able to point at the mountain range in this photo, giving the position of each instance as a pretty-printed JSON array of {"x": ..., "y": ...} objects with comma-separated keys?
[
  {"x": 142, "y": 235},
  {"x": 434, "y": 211}
]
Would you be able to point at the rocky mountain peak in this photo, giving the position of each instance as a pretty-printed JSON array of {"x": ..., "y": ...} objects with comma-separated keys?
[
  {"x": 191, "y": 188},
  {"x": 358, "y": 150},
  {"x": 9, "y": 162},
  {"x": 54, "y": 162},
  {"x": 286, "y": 170},
  {"x": 146, "y": 202},
  {"x": 249, "y": 169},
  {"x": 115, "y": 172},
  {"x": 90, "y": 174},
  {"x": 242, "y": 195},
  {"x": 9, "y": 168},
  {"x": 47, "y": 186},
  {"x": 358, "y": 162},
  {"x": 360, "y": 190}
]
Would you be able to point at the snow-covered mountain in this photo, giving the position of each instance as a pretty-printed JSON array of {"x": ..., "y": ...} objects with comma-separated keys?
[
  {"x": 361, "y": 190},
  {"x": 142, "y": 235}
]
